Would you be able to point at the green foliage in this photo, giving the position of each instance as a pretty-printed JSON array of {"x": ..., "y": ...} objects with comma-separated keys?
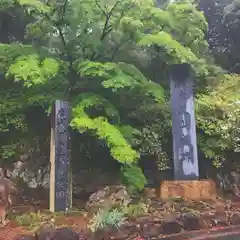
[
  {"x": 190, "y": 26},
  {"x": 91, "y": 100},
  {"x": 9, "y": 53},
  {"x": 230, "y": 19},
  {"x": 109, "y": 59},
  {"x": 175, "y": 52},
  {"x": 4, "y": 4},
  {"x": 104, "y": 218},
  {"x": 218, "y": 113},
  {"x": 119, "y": 147},
  {"x": 136, "y": 210},
  {"x": 29, "y": 219},
  {"x": 133, "y": 177},
  {"x": 121, "y": 75},
  {"x": 34, "y": 5},
  {"x": 32, "y": 71}
]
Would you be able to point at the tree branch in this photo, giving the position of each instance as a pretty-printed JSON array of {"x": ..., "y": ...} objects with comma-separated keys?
[
  {"x": 107, "y": 28},
  {"x": 117, "y": 48}
]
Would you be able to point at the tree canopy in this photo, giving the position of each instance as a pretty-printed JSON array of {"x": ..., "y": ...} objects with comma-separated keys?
[{"x": 110, "y": 59}]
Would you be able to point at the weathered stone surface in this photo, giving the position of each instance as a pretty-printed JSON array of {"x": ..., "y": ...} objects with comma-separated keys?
[
  {"x": 170, "y": 225},
  {"x": 45, "y": 231},
  {"x": 203, "y": 223},
  {"x": 207, "y": 219},
  {"x": 219, "y": 208},
  {"x": 194, "y": 190},
  {"x": 235, "y": 219},
  {"x": 190, "y": 221},
  {"x": 108, "y": 197},
  {"x": 65, "y": 234},
  {"x": 220, "y": 220},
  {"x": 119, "y": 235},
  {"x": 150, "y": 230}
]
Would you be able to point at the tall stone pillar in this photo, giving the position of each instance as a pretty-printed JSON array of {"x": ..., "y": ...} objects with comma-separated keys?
[{"x": 60, "y": 197}]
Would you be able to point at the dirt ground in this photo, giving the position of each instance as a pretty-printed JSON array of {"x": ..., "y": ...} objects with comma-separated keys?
[{"x": 146, "y": 227}]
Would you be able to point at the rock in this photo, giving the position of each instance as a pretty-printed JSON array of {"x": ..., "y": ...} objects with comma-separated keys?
[
  {"x": 108, "y": 197},
  {"x": 119, "y": 235},
  {"x": 229, "y": 205},
  {"x": 170, "y": 225},
  {"x": 220, "y": 220},
  {"x": 204, "y": 223},
  {"x": 103, "y": 234},
  {"x": 45, "y": 232},
  {"x": 65, "y": 234},
  {"x": 194, "y": 190},
  {"x": 150, "y": 230},
  {"x": 190, "y": 221},
  {"x": 219, "y": 209},
  {"x": 49, "y": 233},
  {"x": 235, "y": 219},
  {"x": 206, "y": 219},
  {"x": 220, "y": 215},
  {"x": 84, "y": 235}
]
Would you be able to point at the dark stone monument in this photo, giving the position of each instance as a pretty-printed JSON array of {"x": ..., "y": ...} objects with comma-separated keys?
[
  {"x": 59, "y": 157},
  {"x": 183, "y": 123}
]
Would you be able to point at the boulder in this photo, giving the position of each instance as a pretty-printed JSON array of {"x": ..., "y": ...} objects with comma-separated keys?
[
  {"x": 45, "y": 232},
  {"x": 206, "y": 219},
  {"x": 191, "y": 221},
  {"x": 65, "y": 234},
  {"x": 150, "y": 230},
  {"x": 235, "y": 218},
  {"x": 108, "y": 197},
  {"x": 220, "y": 220},
  {"x": 49, "y": 233},
  {"x": 170, "y": 225}
]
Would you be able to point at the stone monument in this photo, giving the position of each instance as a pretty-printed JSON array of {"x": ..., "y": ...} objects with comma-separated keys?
[
  {"x": 183, "y": 123},
  {"x": 185, "y": 156},
  {"x": 60, "y": 198}
]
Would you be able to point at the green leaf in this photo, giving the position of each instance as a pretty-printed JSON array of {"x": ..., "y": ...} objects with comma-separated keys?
[{"x": 31, "y": 70}]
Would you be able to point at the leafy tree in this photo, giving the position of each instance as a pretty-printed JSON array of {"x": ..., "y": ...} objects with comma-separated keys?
[
  {"x": 108, "y": 59},
  {"x": 231, "y": 22},
  {"x": 222, "y": 36},
  {"x": 218, "y": 116}
]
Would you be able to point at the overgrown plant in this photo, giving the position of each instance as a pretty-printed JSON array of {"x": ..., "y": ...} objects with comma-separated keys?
[
  {"x": 136, "y": 210},
  {"x": 31, "y": 219},
  {"x": 106, "y": 217}
]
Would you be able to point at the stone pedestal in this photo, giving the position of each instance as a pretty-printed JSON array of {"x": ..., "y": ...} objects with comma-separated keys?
[{"x": 192, "y": 190}]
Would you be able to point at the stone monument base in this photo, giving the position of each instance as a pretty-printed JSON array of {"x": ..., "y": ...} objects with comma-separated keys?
[{"x": 189, "y": 189}]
